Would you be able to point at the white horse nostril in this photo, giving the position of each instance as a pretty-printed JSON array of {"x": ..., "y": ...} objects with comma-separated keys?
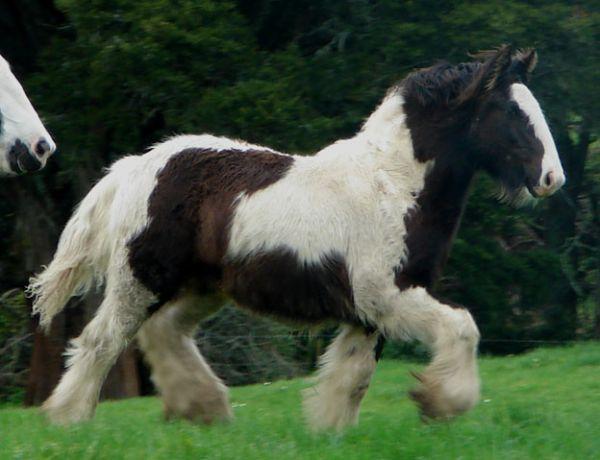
[{"x": 549, "y": 183}]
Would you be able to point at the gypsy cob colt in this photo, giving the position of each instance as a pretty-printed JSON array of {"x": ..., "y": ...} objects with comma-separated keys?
[{"x": 355, "y": 234}]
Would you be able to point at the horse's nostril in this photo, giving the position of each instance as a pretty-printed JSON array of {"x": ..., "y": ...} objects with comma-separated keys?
[
  {"x": 42, "y": 147},
  {"x": 549, "y": 179}
]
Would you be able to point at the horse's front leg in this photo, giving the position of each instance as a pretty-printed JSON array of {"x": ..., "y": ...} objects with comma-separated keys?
[{"x": 450, "y": 384}]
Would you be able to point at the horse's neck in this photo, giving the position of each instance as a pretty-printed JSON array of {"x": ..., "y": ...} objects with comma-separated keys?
[
  {"x": 432, "y": 225},
  {"x": 429, "y": 194},
  {"x": 434, "y": 167}
]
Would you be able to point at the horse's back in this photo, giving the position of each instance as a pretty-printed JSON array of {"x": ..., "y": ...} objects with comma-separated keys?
[
  {"x": 189, "y": 204},
  {"x": 203, "y": 201}
]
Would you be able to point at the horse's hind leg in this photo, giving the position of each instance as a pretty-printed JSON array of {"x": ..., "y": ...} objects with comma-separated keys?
[
  {"x": 188, "y": 386},
  {"x": 344, "y": 376},
  {"x": 93, "y": 353}
]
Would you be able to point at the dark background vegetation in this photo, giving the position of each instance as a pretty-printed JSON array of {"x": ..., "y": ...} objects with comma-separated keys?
[{"x": 111, "y": 77}]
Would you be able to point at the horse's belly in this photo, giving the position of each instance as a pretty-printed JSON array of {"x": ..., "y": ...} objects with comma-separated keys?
[{"x": 278, "y": 284}]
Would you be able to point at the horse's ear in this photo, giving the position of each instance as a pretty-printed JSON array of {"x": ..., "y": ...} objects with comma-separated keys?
[
  {"x": 493, "y": 73},
  {"x": 524, "y": 63}
]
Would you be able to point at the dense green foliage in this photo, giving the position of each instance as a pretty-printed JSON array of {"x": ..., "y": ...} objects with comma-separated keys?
[
  {"x": 111, "y": 77},
  {"x": 539, "y": 405}
]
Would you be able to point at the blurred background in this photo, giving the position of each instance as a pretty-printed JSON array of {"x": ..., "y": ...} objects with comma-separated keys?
[{"x": 111, "y": 77}]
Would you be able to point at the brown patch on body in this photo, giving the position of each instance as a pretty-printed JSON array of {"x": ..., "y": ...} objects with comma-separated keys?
[
  {"x": 185, "y": 242},
  {"x": 189, "y": 212},
  {"x": 278, "y": 284},
  {"x": 432, "y": 224}
]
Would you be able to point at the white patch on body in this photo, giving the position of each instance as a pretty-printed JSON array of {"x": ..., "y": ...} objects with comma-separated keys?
[{"x": 350, "y": 198}]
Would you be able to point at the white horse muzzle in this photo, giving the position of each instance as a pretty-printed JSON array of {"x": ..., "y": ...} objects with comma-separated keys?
[{"x": 22, "y": 160}]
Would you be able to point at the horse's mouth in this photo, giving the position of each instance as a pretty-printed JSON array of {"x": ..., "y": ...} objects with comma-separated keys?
[
  {"x": 531, "y": 190},
  {"x": 21, "y": 160}
]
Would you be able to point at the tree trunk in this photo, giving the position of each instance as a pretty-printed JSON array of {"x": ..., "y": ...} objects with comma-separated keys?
[
  {"x": 46, "y": 361},
  {"x": 123, "y": 380}
]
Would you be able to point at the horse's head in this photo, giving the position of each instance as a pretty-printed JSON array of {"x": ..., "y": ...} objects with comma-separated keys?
[
  {"x": 25, "y": 145},
  {"x": 508, "y": 130}
]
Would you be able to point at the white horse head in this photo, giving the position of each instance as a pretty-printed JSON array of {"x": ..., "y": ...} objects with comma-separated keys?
[{"x": 25, "y": 145}]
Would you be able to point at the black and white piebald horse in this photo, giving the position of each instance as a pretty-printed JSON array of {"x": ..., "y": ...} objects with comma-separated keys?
[
  {"x": 25, "y": 145},
  {"x": 355, "y": 234}
]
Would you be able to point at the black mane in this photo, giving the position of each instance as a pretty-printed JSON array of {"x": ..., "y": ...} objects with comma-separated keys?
[{"x": 437, "y": 85}]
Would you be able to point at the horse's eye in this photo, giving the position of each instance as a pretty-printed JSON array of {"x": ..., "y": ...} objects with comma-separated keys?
[{"x": 514, "y": 110}]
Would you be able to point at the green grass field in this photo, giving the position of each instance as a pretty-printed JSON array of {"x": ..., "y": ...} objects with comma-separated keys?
[{"x": 541, "y": 405}]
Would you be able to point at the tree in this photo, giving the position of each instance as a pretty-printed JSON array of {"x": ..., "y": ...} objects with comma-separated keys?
[{"x": 111, "y": 77}]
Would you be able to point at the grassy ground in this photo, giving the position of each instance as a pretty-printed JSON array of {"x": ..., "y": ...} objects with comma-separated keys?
[{"x": 542, "y": 405}]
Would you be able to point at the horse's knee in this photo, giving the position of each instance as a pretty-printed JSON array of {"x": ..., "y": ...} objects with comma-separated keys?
[{"x": 466, "y": 327}]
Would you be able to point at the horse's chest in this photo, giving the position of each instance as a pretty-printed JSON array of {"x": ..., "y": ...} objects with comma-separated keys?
[
  {"x": 430, "y": 233},
  {"x": 278, "y": 284}
]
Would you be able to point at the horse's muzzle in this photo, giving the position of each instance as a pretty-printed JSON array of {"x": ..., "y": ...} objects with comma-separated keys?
[{"x": 21, "y": 160}]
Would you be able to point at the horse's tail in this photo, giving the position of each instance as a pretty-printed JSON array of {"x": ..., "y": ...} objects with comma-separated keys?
[{"x": 77, "y": 263}]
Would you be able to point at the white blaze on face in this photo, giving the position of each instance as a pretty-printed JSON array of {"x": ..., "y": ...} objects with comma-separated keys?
[
  {"x": 552, "y": 177},
  {"x": 19, "y": 120}
]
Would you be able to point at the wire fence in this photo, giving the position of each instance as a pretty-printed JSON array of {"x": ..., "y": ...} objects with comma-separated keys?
[
  {"x": 331, "y": 336},
  {"x": 241, "y": 358},
  {"x": 243, "y": 349}
]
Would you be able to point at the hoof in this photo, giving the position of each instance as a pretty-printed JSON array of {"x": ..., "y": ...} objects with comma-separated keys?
[
  {"x": 429, "y": 408},
  {"x": 200, "y": 413},
  {"x": 436, "y": 403},
  {"x": 63, "y": 415},
  {"x": 329, "y": 414}
]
